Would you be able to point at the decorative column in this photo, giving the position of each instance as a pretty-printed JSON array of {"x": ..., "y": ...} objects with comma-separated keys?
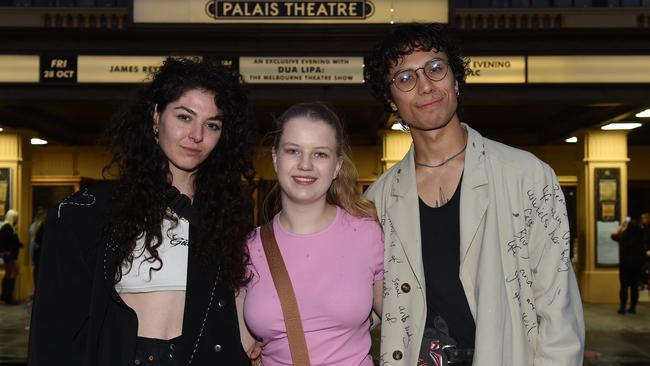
[
  {"x": 395, "y": 144},
  {"x": 602, "y": 205}
]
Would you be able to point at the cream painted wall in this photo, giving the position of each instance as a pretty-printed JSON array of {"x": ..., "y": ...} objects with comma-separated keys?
[
  {"x": 639, "y": 166},
  {"x": 82, "y": 161},
  {"x": 566, "y": 160}
]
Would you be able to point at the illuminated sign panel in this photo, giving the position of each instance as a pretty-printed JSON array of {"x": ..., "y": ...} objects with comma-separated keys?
[
  {"x": 302, "y": 70},
  {"x": 290, "y": 11},
  {"x": 497, "y": 70},
  {"x": 71, "y": 69},
  {"x": 117, "y": 69},
  {"x": 588, "y": 69},
  {"x": 19, "y": 68},
  {"x": 58, "y": 69}
]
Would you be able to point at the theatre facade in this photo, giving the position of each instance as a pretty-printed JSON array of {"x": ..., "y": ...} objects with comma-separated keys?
[{"x": 545, "y": 76}]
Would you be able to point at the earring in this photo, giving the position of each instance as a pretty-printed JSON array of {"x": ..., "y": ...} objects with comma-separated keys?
[
  {"x": 456, "y": 89},
  {"x": 155, "y": 135}
]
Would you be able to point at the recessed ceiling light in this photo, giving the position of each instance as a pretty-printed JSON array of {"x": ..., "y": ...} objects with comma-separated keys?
[
  {"x": 643, "y": 114},
  {"x": 37, "y": 141},
  {"x": 1, "y": 129},
  {"x": 621, "y": 126},
  {"x": 571, "y": 140}
]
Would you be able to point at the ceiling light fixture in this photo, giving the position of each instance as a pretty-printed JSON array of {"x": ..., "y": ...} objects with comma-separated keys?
[
  {"x": 620, "y": 126},
  {"x": 643, "y": 114},
  {"x": 37, "y": 141},
  {"x": 571, "y": 140}
]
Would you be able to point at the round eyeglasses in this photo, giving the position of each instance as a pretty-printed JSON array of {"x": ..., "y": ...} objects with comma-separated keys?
[{"x": 406, "y": 80}]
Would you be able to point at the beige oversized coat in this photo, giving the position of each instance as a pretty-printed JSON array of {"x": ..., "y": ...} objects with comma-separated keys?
[{"x": 514, "y": 254}]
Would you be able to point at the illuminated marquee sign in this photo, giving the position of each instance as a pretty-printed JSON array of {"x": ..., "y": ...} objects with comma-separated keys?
[
  {"x": 58, "y": 69},
  {"x": 589, "y": 69},
  {"x": 117, "y": 69},
  {"x": 19, "y": 68},
  {"x": 497, "y": 70},
  {"x": 71, "y": 69},
  {"x": 302, "y": 70},
  {"x": 291, "y": 9}
]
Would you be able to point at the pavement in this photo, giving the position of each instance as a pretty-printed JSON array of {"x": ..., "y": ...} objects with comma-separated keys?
[
  {"x": 612, "y": 339},
  {"x": 616, "y": 340},
  {"x": 14, "y": 333}
]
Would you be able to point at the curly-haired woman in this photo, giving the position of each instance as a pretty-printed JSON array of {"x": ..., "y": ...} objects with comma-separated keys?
[{"x": 143, "y": 270}]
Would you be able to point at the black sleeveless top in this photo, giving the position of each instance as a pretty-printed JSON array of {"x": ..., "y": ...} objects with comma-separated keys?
[{"x": 440, "y": 230}]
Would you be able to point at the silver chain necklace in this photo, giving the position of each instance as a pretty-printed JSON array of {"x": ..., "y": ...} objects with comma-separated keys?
[{"x": 444, "y": 161}]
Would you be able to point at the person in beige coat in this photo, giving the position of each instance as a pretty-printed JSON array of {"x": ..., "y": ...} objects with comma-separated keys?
[{"x": 477, "y": 268}]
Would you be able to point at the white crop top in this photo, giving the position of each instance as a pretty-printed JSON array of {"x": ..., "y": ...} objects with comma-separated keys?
[{"x": 173, "y": 254}]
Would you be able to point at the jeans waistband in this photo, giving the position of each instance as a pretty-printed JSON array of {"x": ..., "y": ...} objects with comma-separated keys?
[{"x": 152, "y": 351}]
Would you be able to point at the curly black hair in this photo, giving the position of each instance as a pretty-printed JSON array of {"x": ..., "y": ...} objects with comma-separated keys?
[
  {"x": 402, "y": 41},
  {"x": 222, "y": 183}
]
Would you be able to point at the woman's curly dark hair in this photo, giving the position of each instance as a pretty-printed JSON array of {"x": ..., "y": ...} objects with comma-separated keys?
[
  {"x": 222, "y": 199},
  {"x": 402, "y": 41}
]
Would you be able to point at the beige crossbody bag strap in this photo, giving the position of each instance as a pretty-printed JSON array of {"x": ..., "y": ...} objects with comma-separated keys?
[{"x": 290, "y": 310}]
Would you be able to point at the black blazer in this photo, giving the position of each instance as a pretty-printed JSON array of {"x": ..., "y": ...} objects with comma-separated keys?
[{"x": 79, "y": 319}]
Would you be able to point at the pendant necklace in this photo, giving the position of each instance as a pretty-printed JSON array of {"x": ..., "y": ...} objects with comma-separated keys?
[{"x": 444, "y": 161}]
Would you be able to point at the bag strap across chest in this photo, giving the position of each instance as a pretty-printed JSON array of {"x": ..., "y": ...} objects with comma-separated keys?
[{"x": 284, "y": 288}]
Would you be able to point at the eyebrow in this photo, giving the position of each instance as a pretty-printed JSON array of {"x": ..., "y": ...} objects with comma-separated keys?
[
  {"x": 218, "y": 117},
  {"x": 427, "y": 61},
  {"x": 287, "y": 144}
]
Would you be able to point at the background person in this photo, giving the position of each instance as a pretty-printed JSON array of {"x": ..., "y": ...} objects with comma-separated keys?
[
  {"x": 142, "y": 271},
  {"x": 36, "y": 238},
  {"x": 631, "y": 258},
  {"x": 9, "y": 248},
  {"x": 645, "y": 225},
  {"x": 330, "y": 242},
  {"x": 645, "y": 270}
]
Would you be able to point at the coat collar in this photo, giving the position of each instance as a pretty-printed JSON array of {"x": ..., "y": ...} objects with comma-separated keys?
[
  {"x": 474, "y": 192},
  {"x": 402, "y": 211}
]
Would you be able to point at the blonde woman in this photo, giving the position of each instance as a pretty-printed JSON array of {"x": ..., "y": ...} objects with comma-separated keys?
[{"x": 329, "y": 240}]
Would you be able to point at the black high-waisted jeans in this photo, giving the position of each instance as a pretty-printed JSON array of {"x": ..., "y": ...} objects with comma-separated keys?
[{"x": 157, "y": 352}]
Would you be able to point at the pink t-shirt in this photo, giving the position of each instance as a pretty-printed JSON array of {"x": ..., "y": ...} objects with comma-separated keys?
[{"x": 332, "y": 272}]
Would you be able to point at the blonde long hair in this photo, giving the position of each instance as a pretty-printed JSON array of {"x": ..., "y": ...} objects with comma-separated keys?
[
  {"x": 344, "y": 190},
  {"x": 11, "y": 218}
]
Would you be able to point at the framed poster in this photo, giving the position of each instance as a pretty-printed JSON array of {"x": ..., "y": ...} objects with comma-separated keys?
[
  {"x": 5, "y": 191},
  {"x": 608, "y": 211}
]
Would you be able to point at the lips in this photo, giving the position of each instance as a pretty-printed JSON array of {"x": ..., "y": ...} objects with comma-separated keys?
[
  {"x": 304, "y": 180},
  {"x": 429, "y": 104},
  {"x": 190, "y": 151}
]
